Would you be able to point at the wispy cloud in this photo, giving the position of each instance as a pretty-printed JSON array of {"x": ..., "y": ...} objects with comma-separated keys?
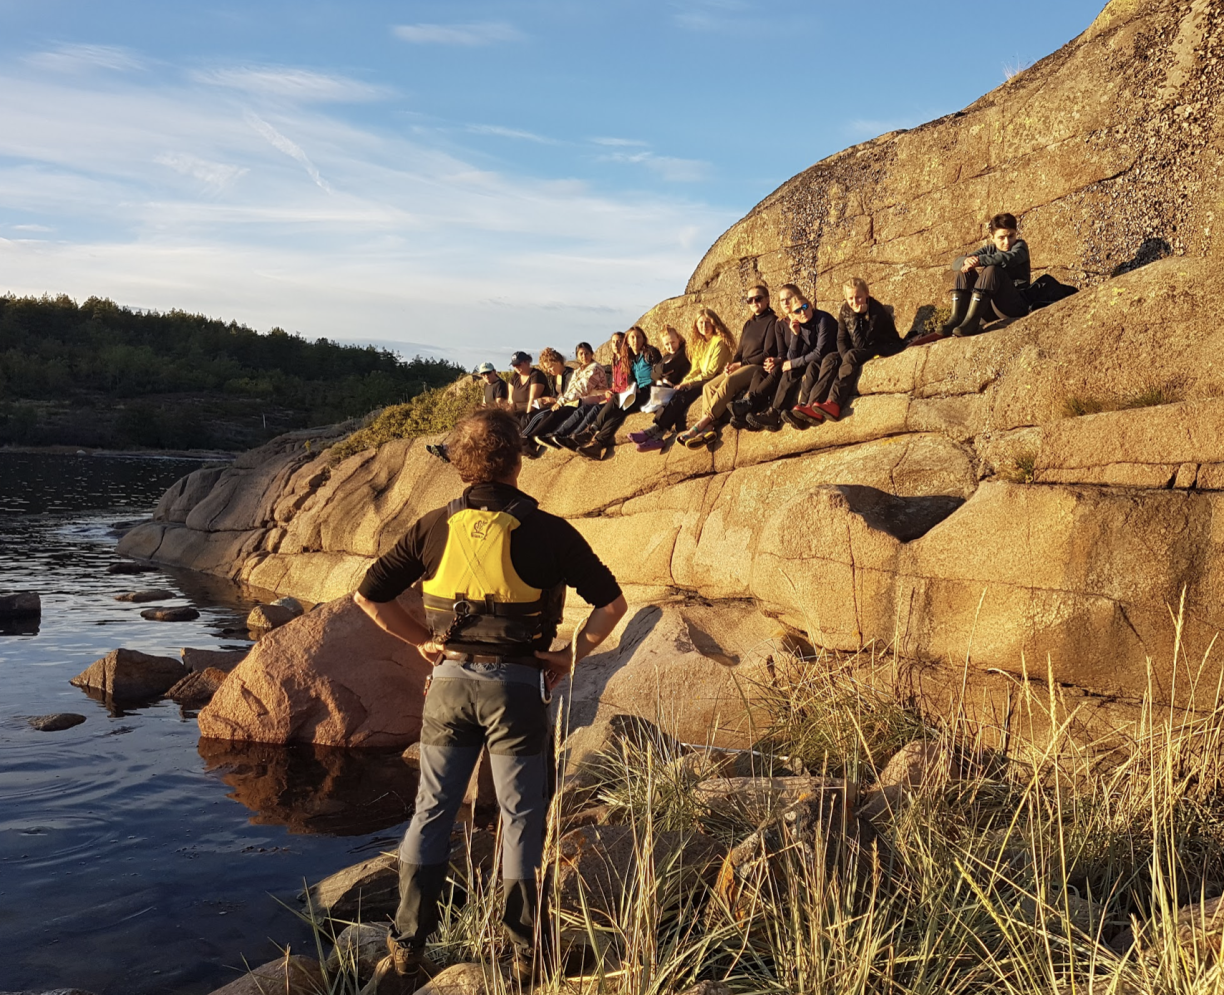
[
  {"x": 85, "y": 58},
  {"x": 501, "y": 132},
  {"x": 294, "y": 84},
  {"x": 619, "y": 142},
  {"x": 480, "y": 33},
  {"x": 215, "y": 174},
  {"x": 286, "y": 145},
  {"x": 711, "y": 15},
  {"x": 32, "y": 228},
  {"x": 224, "y": 217},
  {"x": 667, "y": 167}
]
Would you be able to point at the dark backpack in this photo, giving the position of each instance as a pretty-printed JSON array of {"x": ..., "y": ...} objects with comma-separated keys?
[{"x": 1045, "y": 290}]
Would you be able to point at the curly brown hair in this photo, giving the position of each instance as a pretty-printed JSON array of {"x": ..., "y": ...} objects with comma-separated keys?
[
  {"x": 550, "y": 355},
  {"x": 486, "y": 446}
]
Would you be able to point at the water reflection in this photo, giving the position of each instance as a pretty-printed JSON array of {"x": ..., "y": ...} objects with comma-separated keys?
[{"x": 315, "y": 789}]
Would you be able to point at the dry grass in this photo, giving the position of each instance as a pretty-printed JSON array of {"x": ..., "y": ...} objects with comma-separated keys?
[{"x": 430, "y": 413}]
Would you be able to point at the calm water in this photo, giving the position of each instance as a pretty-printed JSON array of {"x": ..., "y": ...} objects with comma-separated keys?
[{"x": 131, "y": 860}]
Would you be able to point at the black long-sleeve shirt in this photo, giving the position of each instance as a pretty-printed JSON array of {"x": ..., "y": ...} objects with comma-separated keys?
[
  {"x": 757, "y": 340},
  {"x": 872, "y": 332},
  {"x": 672, "y": 368},
  {"x": 816, "y": 338},
  {"x": 545, "y": 550}
]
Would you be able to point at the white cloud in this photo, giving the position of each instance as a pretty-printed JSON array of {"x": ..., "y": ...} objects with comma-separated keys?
[
  {"x": 728, "y": 16},
  {"x": 667, "y": 167},
  {"x": 619, "y": 142},
  {"x": 501, "y": 132},
  {"x": 215, "y": 174},
  {"x": 294, "y": 84},
  {"x": 33, "y": 228},
  {"x": 85, "y": 58},
  {"x": 286, "y": 145},
  {"x": 482, "y": 33},
  {"x": 409, "y": 234}
]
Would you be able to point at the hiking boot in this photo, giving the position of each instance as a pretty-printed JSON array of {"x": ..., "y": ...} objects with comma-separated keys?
[
  {"x": 740, "y": 408},
  {"x": 402, "y": 972},
  {"x": 793, "y": 420},
  {"x": 592, "y": 450},
  {"x": 566, "y": 442},
  {"x": 526, "y": 967},
  {"x": 764, "y": 420},
  {"x": 438, "y": 449}
]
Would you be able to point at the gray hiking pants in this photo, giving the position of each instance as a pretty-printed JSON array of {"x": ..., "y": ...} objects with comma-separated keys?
[{"x": 470, "y": 706}]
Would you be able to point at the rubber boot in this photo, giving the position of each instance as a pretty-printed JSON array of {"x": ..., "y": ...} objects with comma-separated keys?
[
  {"x": 960, "y": 304},
  {"x": 979, "y": 308}
]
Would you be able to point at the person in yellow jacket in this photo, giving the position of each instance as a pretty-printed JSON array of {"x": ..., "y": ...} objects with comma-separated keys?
[
  {"x": 493, "y": 569},
  {"x": 710, "y": 345}
]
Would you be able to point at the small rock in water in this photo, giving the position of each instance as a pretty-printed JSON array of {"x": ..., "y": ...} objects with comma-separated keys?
[
  {"x": 292, "y": 604},
  {"x": 130, "y": 674},
  {"x": 370, "y": 888},
  {"x": 131, "y": 567},
  {"x": 21, "y": 605},
  {"x": 153, "y": 594},
  {"x": 170, "y": 614},
  {"x": 56, "y": 721},
  {"x": 197, "y": 688},
  {"x": 269, "y": 616}
]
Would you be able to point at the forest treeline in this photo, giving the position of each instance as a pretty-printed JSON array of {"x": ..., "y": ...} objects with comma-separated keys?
[{"x": 102, "y": 375}]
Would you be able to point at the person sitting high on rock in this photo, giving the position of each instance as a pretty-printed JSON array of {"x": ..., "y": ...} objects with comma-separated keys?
[
  {"x": 865, "y": 329},
  {"x": 813, "y": 336},
  {"x": 710, "y": 345},
  {"x": 638, "y": 357},
  {"x": 992, "y": 281},
  {"x": 755, "y": 345},
  {"x": 587, "y": 381}
]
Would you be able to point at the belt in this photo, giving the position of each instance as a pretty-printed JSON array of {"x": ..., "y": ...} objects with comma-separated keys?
[{"x": 525, "y": 661}]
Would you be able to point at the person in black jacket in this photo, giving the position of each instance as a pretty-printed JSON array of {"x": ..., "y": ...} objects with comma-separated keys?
[
  {"x": 757, "y": 343},
  {"x": 864, "y": 329},
  {"x": 812, "y": 336},
  {"x": 992, "y": 281}
]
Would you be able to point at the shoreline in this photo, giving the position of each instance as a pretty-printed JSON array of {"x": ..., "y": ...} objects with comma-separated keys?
[{"x": 205, "y": 455}]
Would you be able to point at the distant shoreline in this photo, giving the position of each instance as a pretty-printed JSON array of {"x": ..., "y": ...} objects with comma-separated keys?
[{"x": 204, "y": 455}]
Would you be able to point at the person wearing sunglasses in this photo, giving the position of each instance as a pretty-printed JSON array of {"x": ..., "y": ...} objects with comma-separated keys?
[
  {"x": 812, "y": 336},
  {"x": 865, "y": 329},
  {"x": 758, "y": 342}
]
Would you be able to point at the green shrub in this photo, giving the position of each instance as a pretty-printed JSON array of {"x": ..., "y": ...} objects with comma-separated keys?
[
  {"x": 426, "y": 414},
  {"x": 1022, "y": 467},
  {"x": 1153, "y": 395},
  {"x": 1076, "y": 406}
]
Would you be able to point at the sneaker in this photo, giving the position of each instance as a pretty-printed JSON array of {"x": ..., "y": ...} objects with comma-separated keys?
[
  {"x": 793, "y": 421},
  {"x": 548, "y": 440},
  {"x": 566, "y": 442},
  {"x": 831, "y": 409},
  {"x": 809, "y": 413},
  {"x": 649, "y": 445}
]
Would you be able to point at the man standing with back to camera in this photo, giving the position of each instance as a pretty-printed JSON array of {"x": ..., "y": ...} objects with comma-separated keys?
[{"x": 495, "y": 569}]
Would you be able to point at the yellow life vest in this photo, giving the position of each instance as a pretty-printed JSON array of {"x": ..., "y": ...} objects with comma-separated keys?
[{"x": 476, "y": 600}]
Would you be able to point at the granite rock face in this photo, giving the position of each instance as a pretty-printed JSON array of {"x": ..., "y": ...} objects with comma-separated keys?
[
  {"x": 126, "y": 674},
  {"x": 968, "y": 506},
  {"x": 331, "y": 677}
]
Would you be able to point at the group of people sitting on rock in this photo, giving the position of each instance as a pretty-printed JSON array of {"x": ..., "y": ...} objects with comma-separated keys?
[{"x": 799, "y": 367}]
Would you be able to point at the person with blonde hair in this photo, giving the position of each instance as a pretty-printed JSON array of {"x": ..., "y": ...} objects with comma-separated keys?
[
  {"x": 710, "y": 345},
  {"x": 758, "y": 350},
  {"x": 865, "y": 329}
]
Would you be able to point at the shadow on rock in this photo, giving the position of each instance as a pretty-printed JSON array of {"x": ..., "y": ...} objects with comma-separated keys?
[{"x": 315, "y": 789}]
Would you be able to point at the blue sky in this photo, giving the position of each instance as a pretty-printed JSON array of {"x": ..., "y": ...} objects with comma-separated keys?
[{"x": 457, "y": 179}]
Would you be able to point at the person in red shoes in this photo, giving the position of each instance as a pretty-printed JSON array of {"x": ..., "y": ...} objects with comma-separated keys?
[{"x": 865, "y": 329}]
